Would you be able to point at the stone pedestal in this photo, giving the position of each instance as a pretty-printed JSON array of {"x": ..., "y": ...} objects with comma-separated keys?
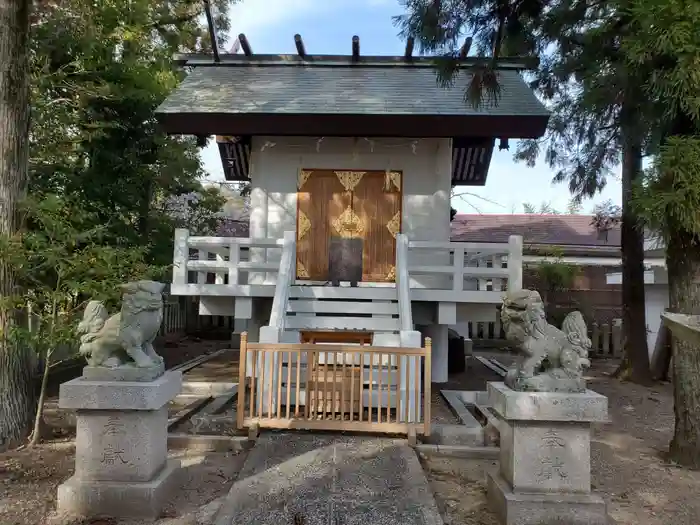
[
  {"x": 545, "y": 463},
  {"x": 121, "y": 458}
]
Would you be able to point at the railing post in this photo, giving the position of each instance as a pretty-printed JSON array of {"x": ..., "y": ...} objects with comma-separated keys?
[
  {"x": 403, "y": 283},
  {"x": 408, "y": 381},
  {"x": 267, "y": 364},
  {"x": 181, "y": 255},
  {"x": 273, "y": 332},
  {"x": 284, "y": 280},
  {"x": 202, "y": 255},
  {"x": 234, "y": 257},
  {"x": 515, "y": 263},
  {"x": 458, "y": 275},
  {"x": 219, "y": 275}
]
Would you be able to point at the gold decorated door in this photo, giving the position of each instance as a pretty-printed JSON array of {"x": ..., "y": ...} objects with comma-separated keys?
[{"x": 355, "y": 204}]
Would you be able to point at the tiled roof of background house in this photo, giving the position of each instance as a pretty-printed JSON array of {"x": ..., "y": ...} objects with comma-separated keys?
[{"x": 564, "y": 230}]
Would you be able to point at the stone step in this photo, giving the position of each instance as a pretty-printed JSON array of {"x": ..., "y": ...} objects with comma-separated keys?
[
  {"x": 367, "y": 324},
  {"x": 347, "y": 307}
]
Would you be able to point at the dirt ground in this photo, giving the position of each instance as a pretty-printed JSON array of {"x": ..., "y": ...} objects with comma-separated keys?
[
  {"x": 627, "y": 463},
  {"x": 628, "y": 468}
]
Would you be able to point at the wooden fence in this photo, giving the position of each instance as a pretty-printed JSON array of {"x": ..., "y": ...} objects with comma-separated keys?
[
  {"x": 181, "y": 315},
  {"x": 606, "y": 338},
  {"x": 335, "y": 387}
]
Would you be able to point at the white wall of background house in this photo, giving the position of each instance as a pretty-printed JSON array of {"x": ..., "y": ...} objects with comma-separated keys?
[{"x": 655, "y": 300}]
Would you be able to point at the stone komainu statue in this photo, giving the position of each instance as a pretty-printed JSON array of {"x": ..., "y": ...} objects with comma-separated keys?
[
  {"x": 554, "y": 359},
  {"x": 125, "y": 338}
]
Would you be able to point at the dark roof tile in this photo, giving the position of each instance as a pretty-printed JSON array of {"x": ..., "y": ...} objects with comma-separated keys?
[{"x": 564, "y": 230}]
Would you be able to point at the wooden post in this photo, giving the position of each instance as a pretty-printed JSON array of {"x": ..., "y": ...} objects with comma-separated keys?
[
  {"x": 606, "y": 339},
  {"x": 181, "y": 254},
  {"x": 595, "y": 338},
  {"x": 240, "y": 408},
  {"x": 427, "y": 394},
  {"x": 515, "y": 263},
  {"x": 617, "y": 337}
]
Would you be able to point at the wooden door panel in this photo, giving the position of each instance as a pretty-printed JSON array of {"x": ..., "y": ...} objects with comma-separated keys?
[
  {"x": 321, "y": 199},
  {"x": 377, "y": 202}
]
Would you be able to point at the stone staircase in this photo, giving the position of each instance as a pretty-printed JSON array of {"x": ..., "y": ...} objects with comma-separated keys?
[{"x": 374, "y": 310}]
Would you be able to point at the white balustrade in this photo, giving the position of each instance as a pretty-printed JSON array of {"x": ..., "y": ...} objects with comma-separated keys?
[
  {"x": 485, "y": 267},
  {"x": 432, "y": 271}
]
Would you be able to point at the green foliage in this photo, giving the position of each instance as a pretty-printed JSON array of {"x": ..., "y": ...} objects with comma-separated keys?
[
  {"x": 591, "y": 92},
  {"x": 496, "y": 27},
  {"x": 545, "y": 208},
  {"x": 669, "y": 197},
  {"x": 60, "y": 262},
  {"x": 664, "y": 36},
  {"x": 100, "y": 69},
  {"x": 573, "y": 207},
  {"x": 553, "y": 274},
  {"x": 666, "y": 39}
]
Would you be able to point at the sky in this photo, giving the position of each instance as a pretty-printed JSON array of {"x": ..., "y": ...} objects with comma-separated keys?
[{"x": 327, "y": 27}]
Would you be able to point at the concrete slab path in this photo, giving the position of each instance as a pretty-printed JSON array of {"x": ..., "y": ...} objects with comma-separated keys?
[{"x": 329, "y": 480}]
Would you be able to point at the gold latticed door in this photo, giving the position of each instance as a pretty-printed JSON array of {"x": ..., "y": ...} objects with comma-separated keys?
[
  {"x": 377, "y": 202},
  {"x": 321, "y": 199},
  {"x": 348, "y": 204}
]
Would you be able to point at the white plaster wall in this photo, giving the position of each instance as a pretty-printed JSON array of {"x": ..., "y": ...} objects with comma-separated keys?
[
  {"x": 656, "y": 301},
  {"x": 426, "y": 165}
]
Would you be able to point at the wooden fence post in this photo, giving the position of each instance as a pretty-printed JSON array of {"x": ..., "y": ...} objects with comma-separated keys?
[
  {"x": 595, "y": 338},
  {"x": 617, "y": 337},
  {"x": 605, "y": 329}
]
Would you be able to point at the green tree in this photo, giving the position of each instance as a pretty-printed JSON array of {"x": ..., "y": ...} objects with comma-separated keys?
[
  {"x": 574, "y": 207},
  {"x": 597, "y": 124},
  {"x": 100, "y": 70},
  {"x": 60, "y": 263},
  {"x": 16, "y": 393},
  {"x": 664, "y": 38},
  {"x": 595, "y": 101},
  {"x": 545, "y": 208},
  {"x": 552, "y": 274}
]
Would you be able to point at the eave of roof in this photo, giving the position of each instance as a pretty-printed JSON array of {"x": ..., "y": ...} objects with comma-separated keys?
[{"x": 235, "y": 59}]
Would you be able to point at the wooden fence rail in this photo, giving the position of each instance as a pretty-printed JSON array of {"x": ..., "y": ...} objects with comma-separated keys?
[
  {"x": 335, "y": 387},
  {"x": 606, "y": 338}
]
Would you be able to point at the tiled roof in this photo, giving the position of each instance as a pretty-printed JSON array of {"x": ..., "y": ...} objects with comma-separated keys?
[
  {"x": 562, "y": 230},
  {"x": 339, "y": 90}
]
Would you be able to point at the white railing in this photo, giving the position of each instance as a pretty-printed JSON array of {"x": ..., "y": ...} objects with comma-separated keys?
[
  {"x": 403, "y": 282},
  {"x": 224, "y": 260},
  {"x": 466, "y": 266},
  {"x": 426, "y": 270},
  {"x": 285, "y": 278}
]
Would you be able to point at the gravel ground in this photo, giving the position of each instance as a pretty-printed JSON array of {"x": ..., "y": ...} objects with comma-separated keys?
[
  {"x": 459, "y": 487},
  {"x": 627, "y": 464},
  {"x": 628, "y": 468}
]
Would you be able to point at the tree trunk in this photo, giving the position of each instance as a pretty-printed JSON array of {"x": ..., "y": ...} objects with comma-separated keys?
[
  {"x": 683, "y": 263},
  {"x": 635, "y": 363},
  {"x": 39, "y": 423},
  {"x": 16, "y": 374}
]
